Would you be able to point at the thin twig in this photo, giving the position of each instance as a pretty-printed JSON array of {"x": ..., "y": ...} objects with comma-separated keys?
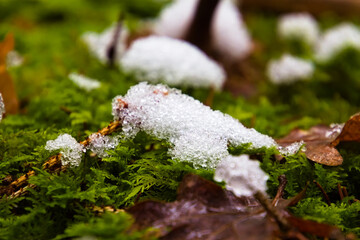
[
  {"x": 327, "y": 199},
  {"x": 280, "y": 192},
  {"x": 340, "y": 191},
  {"x": 112, "y": 49}
]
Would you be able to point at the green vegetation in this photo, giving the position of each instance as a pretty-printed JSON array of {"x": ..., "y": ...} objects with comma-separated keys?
[{"x": 47, "y": 34}]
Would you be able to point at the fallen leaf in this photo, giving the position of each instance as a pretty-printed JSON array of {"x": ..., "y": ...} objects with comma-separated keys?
[
  {"x": 318, "y": 143},
  {"x": 350, "y": 131},
  {"x": 203, "y": 210},
  {"x": 7, "y": 88}
]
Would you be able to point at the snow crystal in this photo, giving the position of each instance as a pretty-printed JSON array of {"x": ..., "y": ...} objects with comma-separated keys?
[
  {"x": 299, "y": 26},
  {"x": 289, "y": 69},
  {"x": 172, "y": 61},
  {"x": 197, "y": 133},
  {"x": 228, "y": 32},
  {"x": 292, "y": 148},
  {"x": 2, "y": 107},
  {"x": 242, "y": 176},
  {"x": 335, "y": 130},
  {"x": 100, "y": 43},
  {"x": 336, "y": 39},
  {"x": 100, "y": 143},
  {"x": 70, "y": 149},
  {"x": 14, "y": 59},
  {"x": 84, "y": 82}
]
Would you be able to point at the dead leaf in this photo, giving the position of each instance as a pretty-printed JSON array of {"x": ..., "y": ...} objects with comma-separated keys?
[
  {"x": 203, "y": 210},
  {"x": 350, "y": 131},
  {"x": 318, "y": 141},
  {"x": 7, "y": 88}
]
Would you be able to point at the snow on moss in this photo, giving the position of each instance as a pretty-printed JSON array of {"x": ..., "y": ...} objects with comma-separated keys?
[
  {"x": 174, "y": 62},
  {"x": 228, "y": 32},
  {"x": 2, "y": 107},
  {"x": 70, "y": 149},
  {"x": 289, "y": 69},
  {"x": 196, "y": 133},
  {"x": 84, "y": 82},
  {"x": 99, "y": 44},
  {"x": 242, "y": 176},
  {"x": 299, "y": 26},
  {"x": 336, "y": 39},
  {"x": 14, "y": 59},
  {"x": 99, "y": 144}
]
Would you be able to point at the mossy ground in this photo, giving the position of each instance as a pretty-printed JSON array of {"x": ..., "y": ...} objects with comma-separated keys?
[{"x": 47, "y": 34}]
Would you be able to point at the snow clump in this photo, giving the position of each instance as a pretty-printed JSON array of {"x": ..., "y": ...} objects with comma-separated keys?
[
  {"x": 70, "y": 149},
  {"x": 298, "y": 26},
  {"x": 2, "y": 107},
  {"x": 228, "y": 32},
  {"x": 335, "y": 40},
  {"x": 14, "y": 59},
  {"x": 197, "y": 133},
  {"x": 289, "y": 69},
  {"x": 99, "y": 44},
  {"x": 99, "y": 144},
  {"x": 84, "y": 82},
  {"x": 242, "y": 176},
  {"x": 292, "y": 148},
  {"x": 174, "y": 62}
]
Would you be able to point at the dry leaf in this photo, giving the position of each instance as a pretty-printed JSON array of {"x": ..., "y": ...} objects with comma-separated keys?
[
  {"x": 318, "y": 141},
  {"x": 203, "y": 210},
  {"x": 7, "y": 88},
  {"x": 350, "y": 131}
]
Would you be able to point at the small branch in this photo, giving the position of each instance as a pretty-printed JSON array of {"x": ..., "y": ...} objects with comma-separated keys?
[
  {"x": 281, "y": 221},
  {"x": 53, "y": 165},
  {"x": 280, "y": 192},
  {"x": 199, "y": 30},
  {"x": 340, "y": 191},
  {"x": 210, "y": 98},
  {"x": 327, "y": 199},
  {"x": 112, "y": 49}
]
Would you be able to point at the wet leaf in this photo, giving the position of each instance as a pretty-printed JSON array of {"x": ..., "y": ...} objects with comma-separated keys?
[
  {"x": 350, "y": 131},
  {"x": 203, "y": 210},
  {"x": 7, "y": 88},
  {"x": 318, "y": 145}
]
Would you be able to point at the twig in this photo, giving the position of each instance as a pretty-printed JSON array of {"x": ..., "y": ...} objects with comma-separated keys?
[
  {"x": 327, "y": 199},
  {"x": 340, "y": 191},
  {"x": 53, "y": 165},
  {"x": 280, "y": 192},
  {"x": 111, "y": 51},
  {"x": 199, "y": 30}
]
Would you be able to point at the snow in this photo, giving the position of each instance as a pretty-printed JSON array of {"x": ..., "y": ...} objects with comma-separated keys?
[
  {"x": 172, "y": 61},
  {"x": 14, "y": 59},
  {"x": 70, "y": 149},
  {"x": 99, "y": 44},
  {"x": 228, "y": 32},
  {"x": 99, "y": 144},
  {"x": 84, "y": 82},
  {"x": 299, "y": 26},
  {"x": 2, "y": 107},
  {"x": 289, "y": 69},
  {"x": 292, "y": 148},
  {"x": 242, "y": 175},
  {"x": 336, "y": 39},
  {"x": 196, "y": 133}
]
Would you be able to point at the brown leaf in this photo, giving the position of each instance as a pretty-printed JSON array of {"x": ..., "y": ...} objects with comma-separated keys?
[
  {"x": 350, "y": 131},
  {"x": 7, "y": 88},
  {"x": 318, "y": 141},
  {"x": 203, "y": 210}
]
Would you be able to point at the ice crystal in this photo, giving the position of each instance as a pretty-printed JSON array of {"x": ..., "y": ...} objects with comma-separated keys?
[
  {"x": 14, "y": 59},
  {"x": 289, "y": 69},
  {"x": 84, "y": 82},
  {"x": 242, "y": 176},
  {"x": 336, "y": 39},
  {"x": 292, "y": 148},
  {"x": 99, "y": 144},
  {"x": 335, "y": 130},
  {"x": 228, "y": 32},
  {"x": 196, "y": 133},
  {"x": 99, "y": 44},
  {"x": 172, "y": 61},
  {"x": 2, "y": 107},
  {"x": 299, "y": 26},
  {"x": 70, "y": 149}
]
